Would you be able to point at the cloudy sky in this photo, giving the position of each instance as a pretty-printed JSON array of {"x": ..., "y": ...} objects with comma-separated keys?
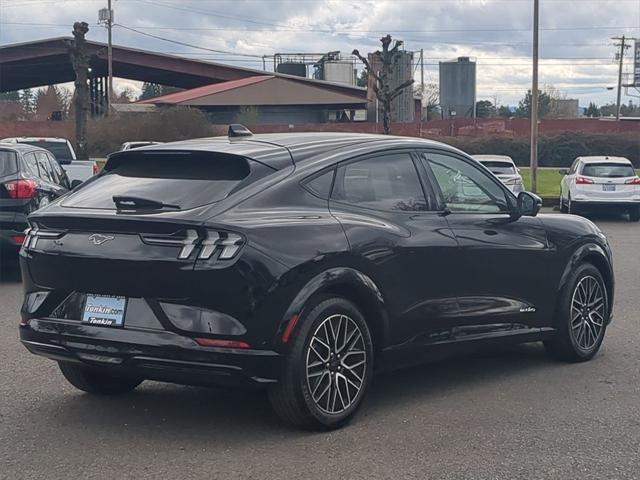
[{"x": 577, "y": 53}]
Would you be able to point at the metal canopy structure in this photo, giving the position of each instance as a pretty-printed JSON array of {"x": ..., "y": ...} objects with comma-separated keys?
[{"x": 46, "y": 62}]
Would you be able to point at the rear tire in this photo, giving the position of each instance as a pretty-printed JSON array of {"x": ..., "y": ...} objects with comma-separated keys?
[
  {"x": 96, "y": 382},
  {"x": 563, "y": 206},
  {"x": 328, "y": 369},
  {"x": 634, "y": 214},
  {"x": 581, "y": 317},
  {"x": 571, "y": 207}
]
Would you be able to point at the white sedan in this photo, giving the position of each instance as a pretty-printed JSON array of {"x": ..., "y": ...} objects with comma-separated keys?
[
  {"x": 505, "y": 169},
  {"x": 596, "y": 182}
]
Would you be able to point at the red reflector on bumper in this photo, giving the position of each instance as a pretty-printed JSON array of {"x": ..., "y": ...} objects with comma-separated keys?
[
  {"x": 214, "y": 342},
  {"x": 289, "y": 328},
  {"x": 18, "y": 239}
]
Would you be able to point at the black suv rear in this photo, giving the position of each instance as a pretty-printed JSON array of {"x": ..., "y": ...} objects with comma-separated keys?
[{"x": 30, "y": 177}]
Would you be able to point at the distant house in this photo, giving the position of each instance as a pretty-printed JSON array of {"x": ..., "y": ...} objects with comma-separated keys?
[{"x": 270, "y": 99}]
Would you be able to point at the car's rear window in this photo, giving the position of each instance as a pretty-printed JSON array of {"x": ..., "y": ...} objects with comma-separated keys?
[
  {"x": 499, "y": 168},
  {"x": 608, "y": 170},
  {"x": 180, "y": 179},
  {"x": 8, "y": 163},
  {"x": 59, "y": 149}
]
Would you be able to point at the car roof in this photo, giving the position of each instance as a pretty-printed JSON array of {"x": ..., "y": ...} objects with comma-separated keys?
[
  {"x": 493, "y": 158},
  {"x": 35, "y": 139},
  {"x": 297, "y": 146},
  {"x": 605, "y": 159},
  {"x": 21, "y": 147}
]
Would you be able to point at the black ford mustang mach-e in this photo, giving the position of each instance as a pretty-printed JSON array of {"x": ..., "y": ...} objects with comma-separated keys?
[{"x": 301, "y": 263}]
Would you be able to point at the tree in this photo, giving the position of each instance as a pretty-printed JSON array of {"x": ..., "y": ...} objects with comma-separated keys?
[
  {"x": 127, "y": 95},
  {"x": 28, "y": 101},
  {"x": 504, "y": 112},
  {"x": 150, "y": 90},
  {"x": 363, "y": 79},
  {"x": 592, "y": 110},
  {"x": 80, "y": 62},
  {"x": 485, "y": 109},
  {"x": 524, "y": 107},
  {"x": 385, "y": 94},
  {"x": 430, "y": 99},
  {"x": 49, "y": 100}
]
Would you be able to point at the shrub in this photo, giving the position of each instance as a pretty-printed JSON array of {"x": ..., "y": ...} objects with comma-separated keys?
[
  {"x": 553, "y": 150},
  {"x": 171, "y": 124}
]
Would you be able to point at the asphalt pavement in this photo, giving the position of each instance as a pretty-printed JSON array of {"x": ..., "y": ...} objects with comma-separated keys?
[{"x": 499, "y": 414}]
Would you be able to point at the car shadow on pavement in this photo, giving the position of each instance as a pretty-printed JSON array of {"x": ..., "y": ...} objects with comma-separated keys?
[{"x": 217, "y": 415}]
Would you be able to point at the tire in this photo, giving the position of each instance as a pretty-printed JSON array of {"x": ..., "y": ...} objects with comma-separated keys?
[
  {"x": 580, "y": 331},
  {"x": 563, "y": 206},
  {"x": 571, "y": 208},
  {"x": 313, "y": 402},
  {"x": 97, "y": 383},
  {"x": 634, "y": 214}
]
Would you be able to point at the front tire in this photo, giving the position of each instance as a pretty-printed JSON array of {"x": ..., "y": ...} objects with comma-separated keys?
[
  {"x": 328, "y": 369},
  {"x": 581, "y": 319},
  {"x": 96, "y": 382}
]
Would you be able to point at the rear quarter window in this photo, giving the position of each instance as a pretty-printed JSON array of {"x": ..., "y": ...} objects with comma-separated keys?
[
  {"x": 8, "y": 163},
  {"x": 608, "y": 170},
  {"x": 186, "y": 180}
]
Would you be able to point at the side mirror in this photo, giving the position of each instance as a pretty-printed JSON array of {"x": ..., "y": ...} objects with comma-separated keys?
[
  {"x": 76, "y": 183},
  {"x": 563, "y": 171},
  {"x": 529, "y": 204}
]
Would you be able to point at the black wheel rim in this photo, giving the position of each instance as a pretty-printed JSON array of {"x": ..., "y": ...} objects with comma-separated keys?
[{"x": 587, "y": 312}]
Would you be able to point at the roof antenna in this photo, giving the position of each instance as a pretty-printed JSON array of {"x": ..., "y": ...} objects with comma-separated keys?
[{"x": 238, "y": 130}]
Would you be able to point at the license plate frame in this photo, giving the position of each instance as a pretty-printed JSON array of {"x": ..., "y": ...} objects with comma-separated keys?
[
  {"x": 104, "y": 310},
  {"x": 608, "y": 188}
]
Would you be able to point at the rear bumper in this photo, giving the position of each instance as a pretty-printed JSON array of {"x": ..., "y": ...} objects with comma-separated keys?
[
  {"x": 160, "y": 355},
  {"x": 9, "y": 239},
  {"x": 605, "y": 203}
]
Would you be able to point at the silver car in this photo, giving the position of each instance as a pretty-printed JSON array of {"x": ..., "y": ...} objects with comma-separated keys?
[
  {"x": 505, "y": 169},
  {"x": 596, "y": 182}
]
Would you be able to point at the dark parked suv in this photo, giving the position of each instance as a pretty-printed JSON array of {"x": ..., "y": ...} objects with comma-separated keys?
[
  {"x": 301, "y": 263},
  {"x": 30, "y": 178}
]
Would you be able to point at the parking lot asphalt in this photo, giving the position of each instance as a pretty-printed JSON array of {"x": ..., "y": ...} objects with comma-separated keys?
[{"x": 498, "y": 414}]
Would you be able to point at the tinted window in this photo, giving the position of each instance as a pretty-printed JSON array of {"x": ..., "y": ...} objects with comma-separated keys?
[
  {"x": 464, "y": 187},
  {"x": 574, "y": 167},
  {"x": 31, "y": 164},
  {"x": 388, "y": 182},
  {"x": 56, "y": 170},
  {"x": 186, "y": 180},
  {"x": 321, "y": 185},
  {"x": 499, "y": 168},
  {"x": 8, "y": 163},
  {"x": 608, "y": 170},
  {"x": 44, "y": 166},
  {"x": 59, "y": 149}
]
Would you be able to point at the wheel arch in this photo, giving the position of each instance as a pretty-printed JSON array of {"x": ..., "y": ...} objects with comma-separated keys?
[
  {"x": 594, "y": 254},
  {"x": 347, "y": 283}
]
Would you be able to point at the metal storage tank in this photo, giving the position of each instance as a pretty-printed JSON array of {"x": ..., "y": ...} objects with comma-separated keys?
[
  {"x": 458, "y": 88},
  {"x": 334, "y": 68}
]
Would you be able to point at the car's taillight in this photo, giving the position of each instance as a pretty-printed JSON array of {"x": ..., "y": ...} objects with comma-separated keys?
[
  {"x": 226, "y": 243},
  {"x": 21, "y": 188},
  {"x": 18, "y": 239},
  {"x": 584, "y": 181},
  {"x": 34, "y": 233},
  {"x": 633, "y": 181}
]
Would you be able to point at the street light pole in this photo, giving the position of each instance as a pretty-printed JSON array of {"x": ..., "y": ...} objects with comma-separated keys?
[
  {"x": 534, "y": 100},
  {"x": 109, "y": 57},
  {"x": 623, "y": 46}
]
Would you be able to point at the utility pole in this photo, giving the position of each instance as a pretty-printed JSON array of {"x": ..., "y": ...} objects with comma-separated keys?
[
  {"x": 77, "y": 49},
  {"x": 623, "y": 46},
  {"x": 105, "y": 15},
  {"x": 422, "y": 72},
  {"x": 534, "y": 99}
]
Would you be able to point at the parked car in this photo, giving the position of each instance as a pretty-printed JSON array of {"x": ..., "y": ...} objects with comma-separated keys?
[
  {"x": 298, "y": 263},
  {"x": 505, "y": 169},
  {"x": 132, "y": 145},
  {"x": 78, "y": 171},
  {"x": 600, "y": 182},
  {"x": 30, "y": 178}
]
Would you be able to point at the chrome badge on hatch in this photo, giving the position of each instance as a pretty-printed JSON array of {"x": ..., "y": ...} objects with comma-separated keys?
[{"x": 99, "y": 239}]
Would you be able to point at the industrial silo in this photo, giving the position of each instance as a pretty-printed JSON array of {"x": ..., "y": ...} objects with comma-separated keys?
[{"x": 458, "y": 88}]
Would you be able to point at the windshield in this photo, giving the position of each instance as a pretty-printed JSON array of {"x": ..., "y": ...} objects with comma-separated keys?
[
  {"x": 500, "y": 168},
  {"x": 59, "y": 149},
  {"x": 183, "y": 181},
  {"x": 8, "y": 164},
  {"x": 608, "y": 170}
]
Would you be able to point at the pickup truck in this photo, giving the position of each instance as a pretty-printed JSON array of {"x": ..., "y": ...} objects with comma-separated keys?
[{"x": 77, "y": 171}]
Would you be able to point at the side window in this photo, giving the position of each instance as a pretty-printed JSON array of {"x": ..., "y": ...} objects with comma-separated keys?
[
  {"x": 464, "y": 187},
  {"x": 321, "y": 185},
  {"x": 574, "y": 167},
  {"x": 387, "y": 182},
  {"x": 31, "y": 164},
  {"x": 44, "y": 166},
  {"x": 56, "y": 170}
]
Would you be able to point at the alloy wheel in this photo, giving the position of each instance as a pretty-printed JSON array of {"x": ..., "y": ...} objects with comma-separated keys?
[
  {"x": 336, "y": 364},
  {"x": 587, "y": 312}
]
